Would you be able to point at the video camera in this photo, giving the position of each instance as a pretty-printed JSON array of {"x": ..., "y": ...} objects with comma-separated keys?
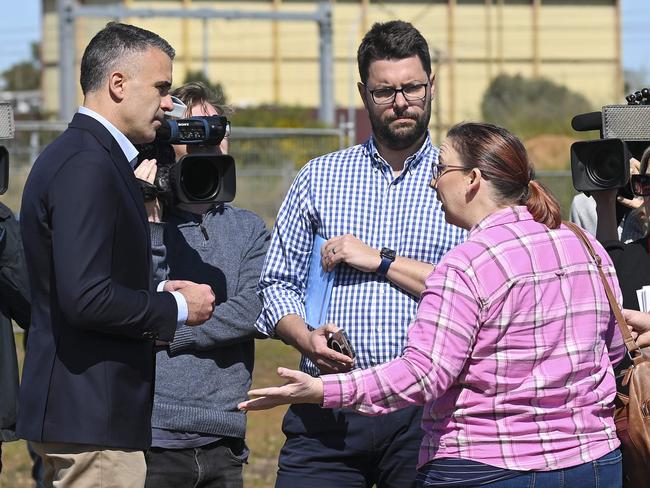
[
  {"x": 624, "y": 133},
  {"x": 194, "y": 178},
  {"x": 6, "y": 132}
]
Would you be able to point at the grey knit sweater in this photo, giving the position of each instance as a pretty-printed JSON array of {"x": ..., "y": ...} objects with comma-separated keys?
[{"x": 206, "y": 371}]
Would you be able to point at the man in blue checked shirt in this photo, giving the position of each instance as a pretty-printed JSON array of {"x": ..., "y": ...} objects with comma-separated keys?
[{"x": 385, "y": 231}]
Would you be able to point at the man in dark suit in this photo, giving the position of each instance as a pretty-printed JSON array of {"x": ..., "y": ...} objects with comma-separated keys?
[{"x": 86, "y": 395}]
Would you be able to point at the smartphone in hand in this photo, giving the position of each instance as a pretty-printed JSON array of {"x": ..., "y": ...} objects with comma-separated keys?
[{"x": 339, "y": 342}]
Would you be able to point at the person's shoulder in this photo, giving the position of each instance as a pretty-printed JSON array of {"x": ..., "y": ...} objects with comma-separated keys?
[
  {"x": 489, "y": 243},
  {"x": 349, "y": 155},
  {"x": 635, "y": 248},
  {"x": 239, "y": 225},
  {"x": 461, "y": 261},
  {"x": 629, "y": 259},
  {"x": 72, "y": 144},
  {"x": 72, "y": 164},
  {"x": 582, "y": 204},
  {"x": 326, "y": 167},
  {"x": 241, "y": 217},
  {"x": 467, "y": 250},
  {"x": 242, "y": 214}
]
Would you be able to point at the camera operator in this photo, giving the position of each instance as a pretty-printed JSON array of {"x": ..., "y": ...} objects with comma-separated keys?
[
  {"x": 629, "y": 215},
  {"x": 14, "y": 291},
  {"x": 631, "y": 260},
  {"x": 201, "y": 376},
  {"x": 14, "y": 304}
]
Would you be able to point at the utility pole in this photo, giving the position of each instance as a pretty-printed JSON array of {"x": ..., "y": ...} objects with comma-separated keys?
[
  {"x": 535, "y": 48},
  {"x": 67, "y": 85},
  {"x": 451, "y": 58}
]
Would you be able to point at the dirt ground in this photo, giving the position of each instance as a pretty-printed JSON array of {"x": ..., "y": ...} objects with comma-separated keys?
[{"x": 549, "y": 152}]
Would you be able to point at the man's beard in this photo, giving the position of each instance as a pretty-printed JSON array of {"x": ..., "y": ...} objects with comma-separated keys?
[{"x": 402, "y": 137}]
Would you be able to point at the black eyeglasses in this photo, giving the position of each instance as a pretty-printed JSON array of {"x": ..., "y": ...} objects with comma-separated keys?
[
  {"x": 438, "y": 169},
  {"x": 384, "y": 96},
  {"x": 640, "y": 185}
]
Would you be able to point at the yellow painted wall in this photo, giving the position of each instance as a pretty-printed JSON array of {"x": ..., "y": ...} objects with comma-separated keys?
[{"x": 577, "y": 47}]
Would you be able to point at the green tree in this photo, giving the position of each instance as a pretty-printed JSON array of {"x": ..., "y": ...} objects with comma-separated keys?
[
  {"x": 277, "y": 150},
  {"x": 24, "y": 75},
  {"x": 277, "y": 116},
  {"x": 531, "y": 106}
]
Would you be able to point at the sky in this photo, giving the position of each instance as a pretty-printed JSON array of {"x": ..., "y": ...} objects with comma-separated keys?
[
  {"x": 21, "y": 26},
  {"x": 636, "y": 35}
]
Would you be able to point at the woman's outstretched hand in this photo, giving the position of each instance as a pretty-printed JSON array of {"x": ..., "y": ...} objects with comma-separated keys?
[{"x": 301, "y": 388}]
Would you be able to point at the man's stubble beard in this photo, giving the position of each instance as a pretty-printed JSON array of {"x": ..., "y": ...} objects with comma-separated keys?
[{"x": 402, "y": 138}]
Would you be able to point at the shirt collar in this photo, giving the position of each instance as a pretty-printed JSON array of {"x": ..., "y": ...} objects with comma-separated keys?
[
  {"x": 127, "y": 146},
  {"x": 504, "y": 216},
  {"x": 410, "y": 163}
]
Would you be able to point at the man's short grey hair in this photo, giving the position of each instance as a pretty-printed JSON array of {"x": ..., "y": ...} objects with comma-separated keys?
[{"x": 113, "y": 45}]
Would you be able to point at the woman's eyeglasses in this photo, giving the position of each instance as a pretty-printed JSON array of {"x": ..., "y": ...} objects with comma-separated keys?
[{"x": 438, "y": 169}]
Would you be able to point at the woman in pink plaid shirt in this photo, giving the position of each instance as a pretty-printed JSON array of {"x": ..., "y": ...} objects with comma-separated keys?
[{"x": 512, "y": 347}]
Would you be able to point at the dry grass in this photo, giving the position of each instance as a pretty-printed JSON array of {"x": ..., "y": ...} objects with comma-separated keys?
[
  {"x": 264, "y": 436},
  {"x": 550, "y": 152},
  {"x": 16, "y": 464}
]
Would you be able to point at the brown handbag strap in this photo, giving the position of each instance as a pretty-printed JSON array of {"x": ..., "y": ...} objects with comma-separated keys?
[{"x": 632, "y": 347}]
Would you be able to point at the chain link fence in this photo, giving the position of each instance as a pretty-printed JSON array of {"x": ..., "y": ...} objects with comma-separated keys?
[{"x": 267, "y": 160}]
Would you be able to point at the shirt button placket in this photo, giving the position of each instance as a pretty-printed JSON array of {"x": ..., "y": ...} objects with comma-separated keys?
[{"x": 386, "y": 240}]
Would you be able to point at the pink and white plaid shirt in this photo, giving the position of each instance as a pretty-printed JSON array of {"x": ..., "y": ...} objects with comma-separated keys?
[{"x": 510, "y": 352}]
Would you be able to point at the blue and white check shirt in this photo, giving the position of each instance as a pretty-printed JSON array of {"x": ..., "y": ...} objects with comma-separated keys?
[{"x": 353, "y": 191}]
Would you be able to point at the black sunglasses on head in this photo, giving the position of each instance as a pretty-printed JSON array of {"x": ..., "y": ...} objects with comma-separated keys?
[{"x": 640, "y": 185}]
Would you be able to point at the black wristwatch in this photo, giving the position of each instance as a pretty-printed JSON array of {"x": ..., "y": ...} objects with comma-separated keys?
[{"x": 387, "y": 258}]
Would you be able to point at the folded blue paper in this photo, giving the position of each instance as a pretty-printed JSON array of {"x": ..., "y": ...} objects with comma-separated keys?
[{"x": 319, "y": 287}]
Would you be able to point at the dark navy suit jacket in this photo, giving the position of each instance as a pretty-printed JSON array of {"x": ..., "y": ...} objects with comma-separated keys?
[{"x": 89, "y": 367}]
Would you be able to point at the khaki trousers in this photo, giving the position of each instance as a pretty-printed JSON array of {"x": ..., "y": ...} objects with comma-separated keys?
[{"x": 88, "y": 466}]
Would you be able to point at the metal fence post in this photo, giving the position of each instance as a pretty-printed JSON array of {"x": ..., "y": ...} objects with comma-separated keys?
[{"x": 34, "y": 145}]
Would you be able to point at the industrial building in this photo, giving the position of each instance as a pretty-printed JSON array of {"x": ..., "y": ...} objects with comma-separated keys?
[{"x": 576, "y": 43}]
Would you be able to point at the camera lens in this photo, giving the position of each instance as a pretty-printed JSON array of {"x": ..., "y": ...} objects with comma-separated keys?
[
  {"x": 605, "y": 171},
  {"x": 200, "y": 179}
]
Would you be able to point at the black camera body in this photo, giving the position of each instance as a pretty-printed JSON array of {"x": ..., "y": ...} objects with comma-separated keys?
[
  {"x": 604, "y": 163},
  {"x": 207, "y": 130},
  {"x": 7, "y": 129},
  {"x": 194, "y": 178}
]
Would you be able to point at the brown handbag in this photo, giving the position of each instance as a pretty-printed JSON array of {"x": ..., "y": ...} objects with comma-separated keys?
[{"x": 632, "y": 413}]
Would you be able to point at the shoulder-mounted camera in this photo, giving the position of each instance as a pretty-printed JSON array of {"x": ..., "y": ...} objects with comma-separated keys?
[
  {"x": 194, "y": 178},
  {"x": 6, "y": 132},
  {"x": 604, "y": 163}
]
